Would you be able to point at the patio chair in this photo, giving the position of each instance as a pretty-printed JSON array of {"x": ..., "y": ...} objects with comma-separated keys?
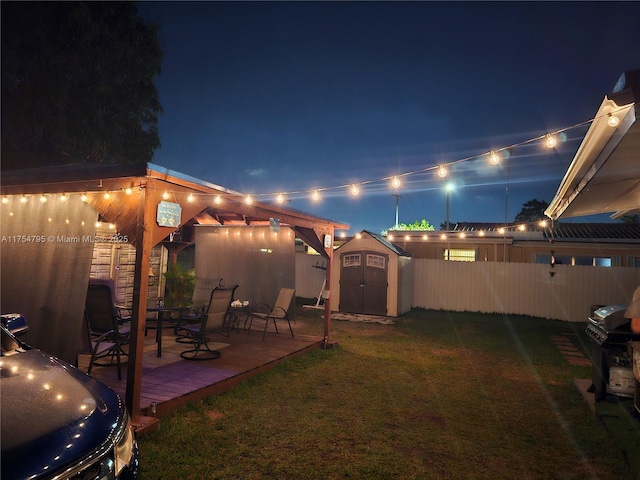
[
  {"x": 280, "y": 311},
  {"x": 215, "y": 320},
  {"x": 199, "y": 303},
  {"x": 107, "y": 330}
]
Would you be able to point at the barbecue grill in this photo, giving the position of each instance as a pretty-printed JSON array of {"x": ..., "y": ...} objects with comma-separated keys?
[{"x": 610, "y": 333}]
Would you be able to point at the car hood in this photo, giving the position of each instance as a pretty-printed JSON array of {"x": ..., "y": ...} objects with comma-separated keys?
[{"x": 52, "y": 414}]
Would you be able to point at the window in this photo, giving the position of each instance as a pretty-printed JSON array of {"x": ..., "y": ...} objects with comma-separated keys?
[
  {"x": 377, "y": 261},
  {"x": 351, "y": 260},
  {"x": 459, "y": 254},
  {"x": 575, "y": 260}
]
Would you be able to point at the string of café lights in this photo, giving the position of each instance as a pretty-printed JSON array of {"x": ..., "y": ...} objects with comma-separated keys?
[{"x": 494, "y": 157}]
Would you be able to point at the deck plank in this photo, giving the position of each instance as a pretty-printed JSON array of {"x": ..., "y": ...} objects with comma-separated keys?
[{"x": 182, "y": 381}]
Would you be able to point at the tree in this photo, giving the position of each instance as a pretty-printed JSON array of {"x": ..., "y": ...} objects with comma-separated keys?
[
  {"x": 532, "y": 211},
  {"x": 77, "y": 84},
  {"x": 417, "y": 225}
]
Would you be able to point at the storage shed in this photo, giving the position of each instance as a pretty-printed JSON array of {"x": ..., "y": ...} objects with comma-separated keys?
[{"x": 371, "y": 276}]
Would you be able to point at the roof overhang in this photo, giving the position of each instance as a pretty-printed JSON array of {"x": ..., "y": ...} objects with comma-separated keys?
[
  {"x": 202, "y": 202},
  {"x": 604, "y": 176}
]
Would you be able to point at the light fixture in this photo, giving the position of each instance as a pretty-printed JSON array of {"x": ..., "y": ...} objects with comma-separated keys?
[
  {"x": 442, "y": 171},
  {"x": 494, "y": 158},
  {"x": 390, "y": 237},
  {"x": 315, "y": 196},
  {"x": 425, "y": 237},
  {"x": 128, "y": 190},
  {"x": 355, "y": 191},
  {"x": 5, "y": 199},
  {"x": 461, "y": 235},
  {"x": 522, "y": 228},
  {"x": 395, "y": 182},
  {"x": 481, "y": 233},
  {"x": 107, "y": 195},
  {"x": 83, "y": 198},
  {"x": 23, "y": 199},
  {"x": 190, "y": 198},
  {"x": 613, "y": 121},
  {"x": 543, "y": 223},
  {"x": 280, "y": 198},
  {"x": 43, "y": 199},
  {"x": 550, "y": 141},
  {"x": 165, "y": 195},
  {"x": 63, "y": 197},
  {"x": 501, "y": 230},
  {"x": 443, "y": 237},
  {"x": 248, "y": 200},
  {"x": 407, "y": 238},
  {"x": 217, "y": 200}
]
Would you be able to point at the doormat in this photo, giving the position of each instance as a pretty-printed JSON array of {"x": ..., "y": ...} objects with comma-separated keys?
[
  {"x": 151, "y": 360},
  {"x": 356, "y": 317}
]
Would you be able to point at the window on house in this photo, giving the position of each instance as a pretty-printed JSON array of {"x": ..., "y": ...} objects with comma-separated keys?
[
  {"x": 575, "y": 260},
  {"x": 459, "y": 254}
]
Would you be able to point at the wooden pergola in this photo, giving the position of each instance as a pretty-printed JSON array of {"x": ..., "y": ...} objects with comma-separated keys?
[{"x": 128, "y": 196}]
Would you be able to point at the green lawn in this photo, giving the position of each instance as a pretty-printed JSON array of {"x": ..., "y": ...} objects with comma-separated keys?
[{"x": 438, "y": 395}]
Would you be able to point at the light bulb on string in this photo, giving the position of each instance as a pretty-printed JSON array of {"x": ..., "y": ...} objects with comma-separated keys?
[
  {"x": 63, "y": 197},
  {"x": 107, "y": 195},
  {"x": 442, "y": 171},
  {"x": 23, "y": 199},
  {"x": 5, "y": 199},
  {"x": 550, "y": 141},
  {"x": 128, "y": 191},
  {"x": 190, "y": 198},
  {"x": 43, "y": 199},
  {"x": 83, "y": 198},
  {"x": 395, "y": 182},
  {"x": 315, "y": 195},
  {"x": 494, "y": 158},
  {"x": 165, "y": 195},
  {"x": 355, "y": 191},
  {"x": 248, "y": 200},
  {"x": 613, "y": 121},
  {"x": 217, "y": 200},
  {"x": 280, "y": 198}
]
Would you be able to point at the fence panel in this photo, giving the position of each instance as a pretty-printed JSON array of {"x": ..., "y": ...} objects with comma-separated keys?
[{"x": 520, "y": 288}]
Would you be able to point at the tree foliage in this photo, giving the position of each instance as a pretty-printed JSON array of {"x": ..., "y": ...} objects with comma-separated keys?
[
  {"x": 417, "y": 225},
  {"x": 77, "y": 83},
  {"x": 532, "y": 211}
]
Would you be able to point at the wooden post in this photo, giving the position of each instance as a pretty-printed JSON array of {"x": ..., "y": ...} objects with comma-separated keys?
[
  {"x": 328, "y": 343},
  {"x": 144, "y": 241}
]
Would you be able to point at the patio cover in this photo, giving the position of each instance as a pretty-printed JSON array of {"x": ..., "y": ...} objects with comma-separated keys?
[
  {"x": 135, "y": 191},
  {"x": 604, "y": 176}
]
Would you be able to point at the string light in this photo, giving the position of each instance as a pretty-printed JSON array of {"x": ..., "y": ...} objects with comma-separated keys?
[
  {"x": 83, "y": 198},
  {"x": 217, "y": 200},
  {"x": 550, "y": 141},
  {"x": 5, "y": 199},
  {"x": 43, "y": 199},
  {"x": 63, "y": 197},
  {"x": 395, "y": 182},
  {"x": 280, "y": 199},
  {"x": 315, "y": 196},
  {"x": 613, "y": 121},
  {"x": 442, "y": 171},
  {"x": 23, "y": 199},
  {"x": 248, "y": 200},
  {"x": 107, "y": 195},
  {"x": 190, "y": 198},
  {"x": 355, "y": 191},
  {"x": 128, "y": 191},
  {"x": 494, "y": 158},
  {"x": 165, "y": 195}
]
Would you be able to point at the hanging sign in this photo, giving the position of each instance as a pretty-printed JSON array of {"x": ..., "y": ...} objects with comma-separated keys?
[{"x": 169, "y": 214}]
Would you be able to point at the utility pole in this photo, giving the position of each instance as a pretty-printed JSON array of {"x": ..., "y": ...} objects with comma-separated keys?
[{"x": 397, "y": 200}]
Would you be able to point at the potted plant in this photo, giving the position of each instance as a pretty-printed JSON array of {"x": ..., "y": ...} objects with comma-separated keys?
[{"x": 179, "y": 286}]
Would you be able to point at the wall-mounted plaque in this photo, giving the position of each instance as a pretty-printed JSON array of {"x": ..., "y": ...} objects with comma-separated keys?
[{"x": 169, "y": 214}]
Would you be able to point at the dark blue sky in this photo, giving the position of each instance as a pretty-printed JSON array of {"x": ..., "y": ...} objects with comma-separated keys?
[{"x": 291, "y": 96}]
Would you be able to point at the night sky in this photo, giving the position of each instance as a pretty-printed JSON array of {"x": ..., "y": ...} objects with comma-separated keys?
[{"x": 271, "y": 97}]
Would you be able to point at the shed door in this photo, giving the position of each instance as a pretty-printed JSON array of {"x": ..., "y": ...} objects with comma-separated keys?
[{"x": 363, "y": 283}]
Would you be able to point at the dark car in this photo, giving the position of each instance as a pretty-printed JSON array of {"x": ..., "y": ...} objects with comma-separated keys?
[{"x": 57, "y": 421}]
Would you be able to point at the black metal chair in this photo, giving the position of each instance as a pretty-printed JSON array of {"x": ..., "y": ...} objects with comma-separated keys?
[
  {"x": 108, "y": 331},
  {"x": 215, "y": 320}
]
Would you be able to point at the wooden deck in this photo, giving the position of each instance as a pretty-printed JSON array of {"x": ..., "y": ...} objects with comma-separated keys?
[{"x": 170, "y": 382}]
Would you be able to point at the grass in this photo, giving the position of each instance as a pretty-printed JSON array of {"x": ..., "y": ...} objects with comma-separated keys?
[{"x": 438, "y": 395}]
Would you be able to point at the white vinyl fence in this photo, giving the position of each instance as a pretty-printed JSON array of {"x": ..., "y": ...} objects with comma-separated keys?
[
  {"x": 497, "y": 287},
  {"x": 520, "y": 288}
]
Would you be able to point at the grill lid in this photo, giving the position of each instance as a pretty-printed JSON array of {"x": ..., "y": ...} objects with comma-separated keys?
[{"x": 610, "y": 317}]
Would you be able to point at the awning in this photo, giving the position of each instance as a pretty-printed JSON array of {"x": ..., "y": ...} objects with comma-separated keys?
[{"x": 604, "y": 176}]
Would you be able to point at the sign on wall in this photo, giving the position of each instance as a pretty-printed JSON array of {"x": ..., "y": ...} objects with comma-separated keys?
[{"x": 169, "y": 214}]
